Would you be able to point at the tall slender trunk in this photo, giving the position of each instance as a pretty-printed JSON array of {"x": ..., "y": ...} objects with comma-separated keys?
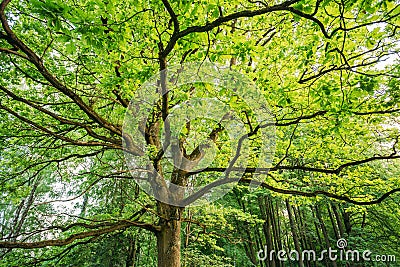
[
  {"x": 269, "y": 237},
  {"x": 317, "y": 230},
  {"x": 300, "y": 232},
  {"x": 275, "y": 230},
  {"x": 264, "y": 230},
  {"x": 333, "y": 222},
  {"x": 286, "y": 243},
  {"x": 250, "y": 249},
  {"x": 364, "y": 220},
  {"x": 338, "y": 219},
  {"x": 132, "y": 252},
  {"x": 278, "y": 225},
  {"x": 303, "y": 233},
  {"x": 346, "y": 219},
  {"x": 324, "y": 231},
  {"x": 294, "y": 231}
]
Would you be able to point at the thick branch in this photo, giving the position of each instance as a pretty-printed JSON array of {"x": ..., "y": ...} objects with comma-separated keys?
[
  {"x": 62, "y": 242},
  {"x": 172, "y": 14},
  {"x": 223, "y": 19},
  {"x": 301, "y": 168},
  {"x": 321, "y": 192},
  {"x": 316, "y": 193}
]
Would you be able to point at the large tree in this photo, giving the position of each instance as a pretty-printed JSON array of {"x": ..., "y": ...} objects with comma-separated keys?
[{"x": 69, "y": 69}]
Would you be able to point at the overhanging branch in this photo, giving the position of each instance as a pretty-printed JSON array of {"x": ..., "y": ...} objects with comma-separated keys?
[
  {"x": 121, "y": 225},
  {"x": 315, "y": 193}
]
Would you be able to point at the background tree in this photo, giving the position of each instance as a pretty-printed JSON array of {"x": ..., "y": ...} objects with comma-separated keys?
[{"x": 328, "y": 70}]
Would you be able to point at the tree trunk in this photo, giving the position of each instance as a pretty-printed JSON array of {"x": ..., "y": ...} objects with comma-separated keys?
[
  {"x": 132, "y": 252},
  {"x": 338, "y": 219},
  {"x": 347, "y": 224},
  {"x": 271, "y": 218},
  {"x": 324, "y": 231},
  {"x": 294, "y": 231},
  {"x": 334, "y": 225},
  {"x": 169, "y": 236}
]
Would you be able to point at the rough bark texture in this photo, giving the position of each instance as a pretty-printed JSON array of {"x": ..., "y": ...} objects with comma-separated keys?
[{"x": 169, "y": 236}]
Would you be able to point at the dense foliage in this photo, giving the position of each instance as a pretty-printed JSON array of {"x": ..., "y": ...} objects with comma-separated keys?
[{"x": 329, "y": 71}]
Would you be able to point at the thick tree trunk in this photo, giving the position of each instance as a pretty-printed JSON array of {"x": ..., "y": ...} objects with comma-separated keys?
[
  {"x": 169, "y": 244},
  {"x": 169, "y": 236}
]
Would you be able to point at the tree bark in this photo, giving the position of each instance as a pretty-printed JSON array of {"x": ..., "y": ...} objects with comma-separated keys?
[
  {"x": 272, "y": 236},
  {"x": 294, "y": 231},
  {"x": 169, "y": 236},
  {"x": 317, "y": 230},
  {"x": 346, "y": 219},
  {"x": 324, "y": 231},
  {"x": 334, "y": 226},
  {"x": 338, "y": 219}
]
